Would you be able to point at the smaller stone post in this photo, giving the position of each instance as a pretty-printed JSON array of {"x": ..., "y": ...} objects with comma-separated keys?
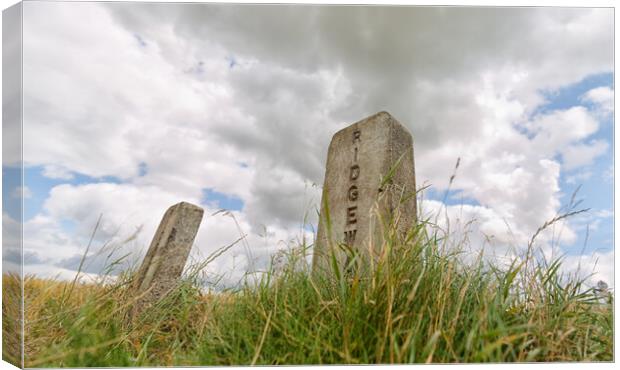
[{"x": 163, "y": 264}]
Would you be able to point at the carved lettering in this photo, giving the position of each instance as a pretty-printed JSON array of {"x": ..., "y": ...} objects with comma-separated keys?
[
  {"x": 355, "y": 172},
  {"x": 349, "y": 236},
  {"x": 351, "y": 217},
  {"x": 353, "y": 193}
]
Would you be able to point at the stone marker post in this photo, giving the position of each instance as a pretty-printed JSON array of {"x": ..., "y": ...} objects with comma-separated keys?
[
  {"x": 164, "y": 262},
  {"x": 360, "y": 157}
]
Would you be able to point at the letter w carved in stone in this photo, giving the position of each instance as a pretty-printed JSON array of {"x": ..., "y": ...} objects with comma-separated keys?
[{"x": 349, "y": 236}]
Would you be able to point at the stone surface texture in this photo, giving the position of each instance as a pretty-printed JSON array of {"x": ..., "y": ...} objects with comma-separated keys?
[
  {"x": 359, "y": 159},
  {"x": 163, "y": 264}
]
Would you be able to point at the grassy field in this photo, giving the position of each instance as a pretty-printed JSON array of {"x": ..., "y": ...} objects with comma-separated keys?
[{"x": 418, "y": 303}]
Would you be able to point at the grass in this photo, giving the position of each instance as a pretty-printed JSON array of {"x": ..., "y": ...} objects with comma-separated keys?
[
  {"x": 11, "y": 325},
  {"x": 417, "y": 304}
]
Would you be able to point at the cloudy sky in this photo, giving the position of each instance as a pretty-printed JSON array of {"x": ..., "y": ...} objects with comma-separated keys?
[{"x": 132, "y": 107}]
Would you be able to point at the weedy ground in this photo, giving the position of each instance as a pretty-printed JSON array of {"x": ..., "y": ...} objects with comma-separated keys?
[{"x": 418, "y": 303}]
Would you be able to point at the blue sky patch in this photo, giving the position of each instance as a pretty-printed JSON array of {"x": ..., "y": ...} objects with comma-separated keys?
[
  {"x": 221, "y": 200},
  {"x": 40, "y": 187},
  {"x": 11, "y": 180},
  {"x": 452, "y": 198},
  {"x": 594, "y": 181},
  {"x": 569, "y": 96}
]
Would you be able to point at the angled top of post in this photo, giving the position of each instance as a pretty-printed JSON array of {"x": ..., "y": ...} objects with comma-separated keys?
[{"x": 382, "y": 117}]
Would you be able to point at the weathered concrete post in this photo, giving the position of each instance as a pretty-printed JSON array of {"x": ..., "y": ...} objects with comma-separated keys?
[
  {"x": 359, "y": 159},
  {"x": 164, "y": 261}
]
